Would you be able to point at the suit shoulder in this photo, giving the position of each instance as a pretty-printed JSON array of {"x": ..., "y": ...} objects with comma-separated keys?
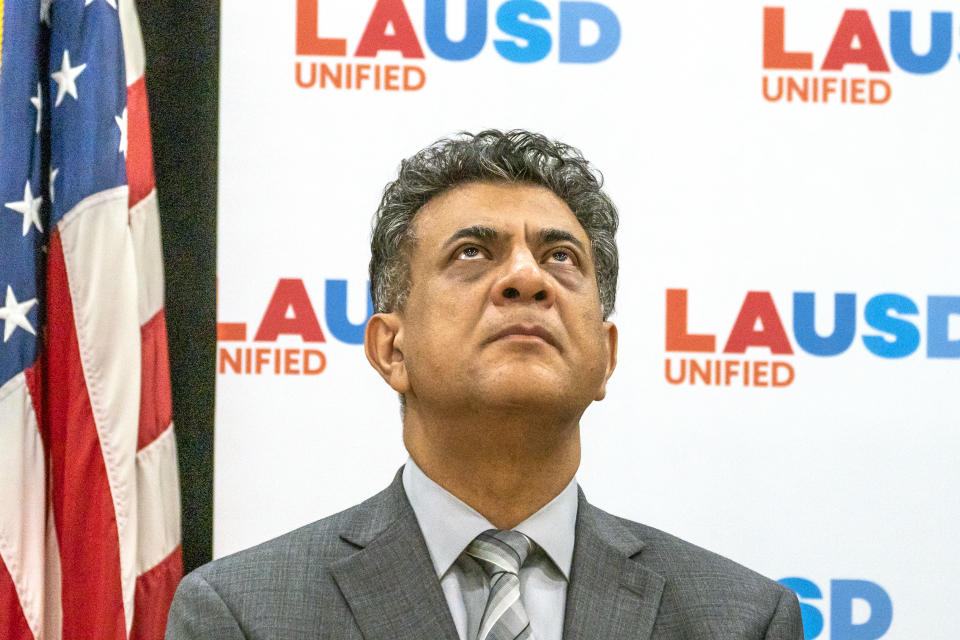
[
  {"x": 299, "y": 554},
  {"x": 281, "y": 588},
  {"x": 683, "y": 563},
  {"x": 708, "y": 595}
]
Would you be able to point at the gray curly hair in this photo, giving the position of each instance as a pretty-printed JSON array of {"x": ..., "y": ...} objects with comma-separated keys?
[{"x": 489, "y": 156}]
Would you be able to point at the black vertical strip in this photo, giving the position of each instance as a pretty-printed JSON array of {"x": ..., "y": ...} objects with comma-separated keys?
[{"x": 182, "y": 44}]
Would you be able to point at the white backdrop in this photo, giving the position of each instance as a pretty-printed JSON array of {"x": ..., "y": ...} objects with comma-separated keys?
[{"x": 849, "y": 473}]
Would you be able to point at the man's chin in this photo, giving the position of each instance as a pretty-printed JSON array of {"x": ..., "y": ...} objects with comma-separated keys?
[{"x": 532, "y": 389}]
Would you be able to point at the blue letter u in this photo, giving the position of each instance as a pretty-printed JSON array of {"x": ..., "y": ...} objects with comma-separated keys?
[
  {"x": 336, "y": 310},
  {"x": 436, "y": 30},
  {"x": 844, "y": 324},
  {"x": 901, "y": 46}
]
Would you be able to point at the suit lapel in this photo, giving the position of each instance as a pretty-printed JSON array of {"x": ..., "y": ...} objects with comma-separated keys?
[
  {"x": 390, "y": 583},
  {"x": 610, "y": 595}
]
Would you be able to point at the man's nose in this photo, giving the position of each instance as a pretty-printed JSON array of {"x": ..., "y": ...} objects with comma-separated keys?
[{"x": 524, "y": 280}]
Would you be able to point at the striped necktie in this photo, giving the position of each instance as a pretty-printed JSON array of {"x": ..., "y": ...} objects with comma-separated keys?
[{"x": 501, "y": 553}]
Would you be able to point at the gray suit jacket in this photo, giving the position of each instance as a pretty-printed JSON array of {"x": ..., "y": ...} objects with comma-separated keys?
[{"x": 365, "y": 573}]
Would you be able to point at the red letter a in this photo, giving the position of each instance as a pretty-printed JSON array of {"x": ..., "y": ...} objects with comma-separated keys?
[
  {"x": 289, "y": 294},
  {"x": 855, "y": 24},
  {"x": 308, "y": 44},
  {"x": 758, "y": 305},
  {"x": 774, "y": 55},
  {"x": 375, "y": 37}
]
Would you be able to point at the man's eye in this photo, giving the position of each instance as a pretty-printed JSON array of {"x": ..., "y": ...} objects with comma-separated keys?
[
  {"x": 560, "y": 256},
  {"x": 470, "y": 252}
]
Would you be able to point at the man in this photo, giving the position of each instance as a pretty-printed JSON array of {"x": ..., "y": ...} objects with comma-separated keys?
[{"x": 493, "y": 274}]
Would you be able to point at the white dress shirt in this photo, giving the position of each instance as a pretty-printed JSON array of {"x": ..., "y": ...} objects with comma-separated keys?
[{"x": 448, "y": 525}]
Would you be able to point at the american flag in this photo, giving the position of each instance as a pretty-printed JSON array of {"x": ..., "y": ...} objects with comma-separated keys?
[{"x": 89, "y": 495}]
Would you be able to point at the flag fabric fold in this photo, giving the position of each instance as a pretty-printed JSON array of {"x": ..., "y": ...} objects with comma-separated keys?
[{"x": 89, "y": 493}]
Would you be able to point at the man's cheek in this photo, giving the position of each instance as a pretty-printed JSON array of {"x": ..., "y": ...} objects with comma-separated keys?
[{"x": 569, "y": 279}]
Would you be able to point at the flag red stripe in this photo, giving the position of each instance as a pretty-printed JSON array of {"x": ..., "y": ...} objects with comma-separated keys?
[
  {"x": 154, "y": 594},
  {"x": 34, "y": 375},
  {"x": 139, "y": 155},
  {"x": 86, "y": 523},
  {"x": 155, "y": 410},
  {"x": 13, "y": 625}
]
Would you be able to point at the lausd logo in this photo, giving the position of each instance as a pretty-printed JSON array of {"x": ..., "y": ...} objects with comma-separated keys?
[
  {"x": 523, "y": 24},
  {"x": 290, "y": 313},
  {"x": 845, "y": 596},
  {"x": 855, "y": 42},
  {"x": 758, "y": 324}
]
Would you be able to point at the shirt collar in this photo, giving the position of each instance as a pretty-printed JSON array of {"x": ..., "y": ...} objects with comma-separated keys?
[{"x": 448, "y": 524}]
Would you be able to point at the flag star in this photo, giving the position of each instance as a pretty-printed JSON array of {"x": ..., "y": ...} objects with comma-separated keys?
[
  {"x": 14, "y": 314},
  {"x": 37, "y": 101},
  {"x": 29, "y": 207},
  {"x": 121, "y": 121},
  {"x": 53, "y": 179},
  {"x": 45, "y": 11},
  {"x": 66, "y": 78}
]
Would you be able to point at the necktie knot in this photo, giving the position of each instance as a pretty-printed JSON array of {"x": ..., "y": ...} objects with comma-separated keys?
[{"x": 500, "y": 550}]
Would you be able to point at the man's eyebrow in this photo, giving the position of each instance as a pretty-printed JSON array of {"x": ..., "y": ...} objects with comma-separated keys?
[
  {"x": 549, "y": 236},
  {"x": 478, "y": 232}
]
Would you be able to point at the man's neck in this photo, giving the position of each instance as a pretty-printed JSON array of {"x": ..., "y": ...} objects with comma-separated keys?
[{"x": 505, "y": 467}]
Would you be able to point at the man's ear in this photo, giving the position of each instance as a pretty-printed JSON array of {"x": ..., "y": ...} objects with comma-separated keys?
[
  {"x": 610, "y": 335},
  {"x": 383, "y": 344}
]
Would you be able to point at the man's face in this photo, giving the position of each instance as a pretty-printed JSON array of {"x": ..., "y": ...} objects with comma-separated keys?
[{"x": 503, "y": 307}]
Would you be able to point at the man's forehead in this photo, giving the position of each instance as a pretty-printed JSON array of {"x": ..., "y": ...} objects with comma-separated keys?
[{"x": 498, "y": 210}]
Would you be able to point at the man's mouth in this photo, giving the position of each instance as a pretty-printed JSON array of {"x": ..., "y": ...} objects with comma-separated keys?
[{"x": 530, "y": 332}]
